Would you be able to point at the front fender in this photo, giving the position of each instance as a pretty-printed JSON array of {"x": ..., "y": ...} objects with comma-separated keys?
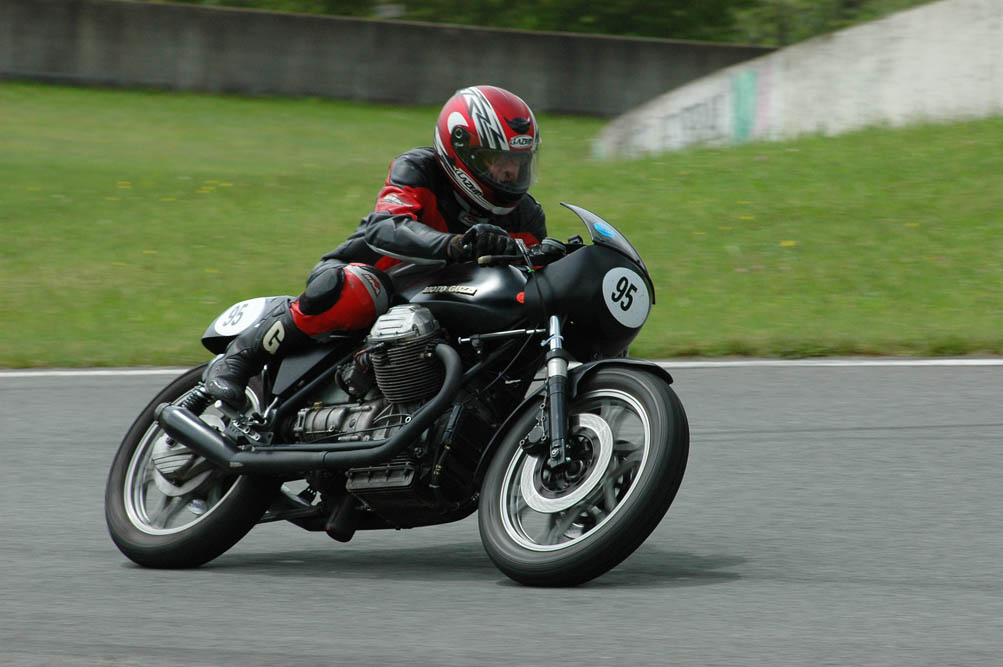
[
  {"x": 575, "y": 377},
  {"x": 577, "y": 374}
]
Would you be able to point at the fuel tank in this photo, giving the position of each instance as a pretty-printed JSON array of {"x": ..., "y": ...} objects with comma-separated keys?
[{"x": 466, "y": 298}]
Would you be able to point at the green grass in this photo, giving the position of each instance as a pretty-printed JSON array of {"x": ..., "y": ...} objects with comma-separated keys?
[{"x": 131, "y": 219}]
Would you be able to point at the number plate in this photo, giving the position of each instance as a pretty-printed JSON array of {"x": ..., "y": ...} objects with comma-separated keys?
[
  {"x": 626, "y": 296},
  {"x": 239, "y": 316}
]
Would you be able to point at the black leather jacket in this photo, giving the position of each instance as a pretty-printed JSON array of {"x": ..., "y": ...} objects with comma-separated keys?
[{"x": 417, "y": 212}]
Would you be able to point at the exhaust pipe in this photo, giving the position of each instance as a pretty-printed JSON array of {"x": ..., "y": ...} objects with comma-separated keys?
[{"x": 192, "y": 432}]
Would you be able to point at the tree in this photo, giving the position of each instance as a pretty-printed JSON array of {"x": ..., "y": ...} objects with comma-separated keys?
[
  {"x": 766, "y": 22},
  {"x": 783, "y": 22}
]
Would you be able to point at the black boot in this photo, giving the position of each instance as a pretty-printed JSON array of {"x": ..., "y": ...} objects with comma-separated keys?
[{"x": 271, "y": 338}]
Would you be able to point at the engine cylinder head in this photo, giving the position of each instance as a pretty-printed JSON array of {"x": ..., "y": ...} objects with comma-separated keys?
[{"x": 401, "y": 343}]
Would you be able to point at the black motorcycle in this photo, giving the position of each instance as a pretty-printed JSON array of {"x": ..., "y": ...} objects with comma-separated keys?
[{"x": 501, "y": 385}]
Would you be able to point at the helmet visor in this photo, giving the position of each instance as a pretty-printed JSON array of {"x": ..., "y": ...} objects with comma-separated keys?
[{"x": 509, "y": 172}]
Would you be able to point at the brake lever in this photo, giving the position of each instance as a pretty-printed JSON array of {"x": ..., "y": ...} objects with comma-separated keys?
[
  {"x": 524, "y": 251},
  {"x": 546, "y": 252},
  {"x": 487, "y": 260}
]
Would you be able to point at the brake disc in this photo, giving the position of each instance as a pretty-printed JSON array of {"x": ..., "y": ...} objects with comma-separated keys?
[{"x": 601, "y": 435}]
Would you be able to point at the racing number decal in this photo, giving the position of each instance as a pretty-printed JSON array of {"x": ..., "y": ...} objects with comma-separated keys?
[
  {"x": 626, "y": 296},
  {"x": 239, "y": 316},
  {"x": 624, "y": 293},
  {"x": 234, "y": 314}
]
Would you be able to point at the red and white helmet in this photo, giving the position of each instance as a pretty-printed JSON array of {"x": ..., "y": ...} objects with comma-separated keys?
[{"x": 486, "y": 140}]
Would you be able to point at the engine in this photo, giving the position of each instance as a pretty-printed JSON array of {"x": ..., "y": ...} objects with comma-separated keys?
[
  {"x": 400, "y": 344},
  {"x": 401, "y": 364},
  {"x": 376, "y": 394}
]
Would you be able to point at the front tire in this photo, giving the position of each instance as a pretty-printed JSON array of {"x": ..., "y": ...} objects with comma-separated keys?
[
  {"x": 629, "y": 439},
  {"x": 169, "y": 508}
]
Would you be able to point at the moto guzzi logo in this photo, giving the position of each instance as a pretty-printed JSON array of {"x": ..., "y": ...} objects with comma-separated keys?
[{"x": 450, "y": 289}]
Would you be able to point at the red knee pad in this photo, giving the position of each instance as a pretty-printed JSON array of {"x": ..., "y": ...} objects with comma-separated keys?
[{"x": 364, "y": 297}]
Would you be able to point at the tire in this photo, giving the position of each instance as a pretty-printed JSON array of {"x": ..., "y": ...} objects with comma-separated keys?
[
  {"x": 630, "y": 438},
  {"x": 179, "y": 511}
]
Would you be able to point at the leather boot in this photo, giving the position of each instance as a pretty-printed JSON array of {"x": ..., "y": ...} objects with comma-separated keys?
[{"x": 271, "y": 338}]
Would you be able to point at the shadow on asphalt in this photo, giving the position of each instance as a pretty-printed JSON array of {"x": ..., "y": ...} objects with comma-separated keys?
[
  {"x": 465, "y": 561},
  {"x": 649, "y": 567}
]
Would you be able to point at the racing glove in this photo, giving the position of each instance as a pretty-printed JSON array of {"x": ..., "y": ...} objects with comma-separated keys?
[{"x": 481, "y": 239}]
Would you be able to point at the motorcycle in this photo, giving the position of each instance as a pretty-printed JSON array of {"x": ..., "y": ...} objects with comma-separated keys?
[{"x": 501, "y": 386}]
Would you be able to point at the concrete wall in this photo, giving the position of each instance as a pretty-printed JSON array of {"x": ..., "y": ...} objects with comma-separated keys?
[
  {"x": 185, "y": 47},
  {"x": 935, "y": 62}
]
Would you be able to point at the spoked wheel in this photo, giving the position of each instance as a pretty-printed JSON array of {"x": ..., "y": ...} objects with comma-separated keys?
[
  {"x": 628, "y": 445},
  {"x": 168, "y": 507}
]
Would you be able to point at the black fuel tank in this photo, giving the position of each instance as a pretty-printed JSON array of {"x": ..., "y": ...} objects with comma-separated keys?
[{"x": 468, "y": 299}]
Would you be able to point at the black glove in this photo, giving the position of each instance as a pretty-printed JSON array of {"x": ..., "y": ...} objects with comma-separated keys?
[{"x": 482, "y": 239}]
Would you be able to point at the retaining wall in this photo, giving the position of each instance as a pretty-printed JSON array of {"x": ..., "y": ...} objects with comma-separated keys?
[
  {"x": 220, "y": 50},
  {"x": 936, "y": 62}
]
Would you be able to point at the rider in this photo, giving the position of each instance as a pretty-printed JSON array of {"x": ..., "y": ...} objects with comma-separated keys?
[{"x": 462, "y": 198}]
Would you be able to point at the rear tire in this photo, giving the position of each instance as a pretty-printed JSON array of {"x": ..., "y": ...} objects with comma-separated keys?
[
  {"x": 631, "y": 441},
  {"x": 168, "y": 508}
]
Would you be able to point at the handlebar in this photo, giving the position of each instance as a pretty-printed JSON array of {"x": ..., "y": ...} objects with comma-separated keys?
[{"x": 547, "y": 251}]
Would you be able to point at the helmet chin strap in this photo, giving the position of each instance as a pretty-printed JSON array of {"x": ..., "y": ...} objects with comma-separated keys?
[{"x": 477, "y": 210}]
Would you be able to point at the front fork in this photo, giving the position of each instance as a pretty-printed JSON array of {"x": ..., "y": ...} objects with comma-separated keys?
[{"x": 557, "y": 394}]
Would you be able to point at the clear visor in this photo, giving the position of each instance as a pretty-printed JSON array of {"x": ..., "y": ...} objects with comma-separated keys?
[{"x": 511, "y": 172}]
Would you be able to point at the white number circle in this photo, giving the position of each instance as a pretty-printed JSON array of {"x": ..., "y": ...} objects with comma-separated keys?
[
  {"x": 239, "y": 316},
  {"x": 626, "y": 296}
]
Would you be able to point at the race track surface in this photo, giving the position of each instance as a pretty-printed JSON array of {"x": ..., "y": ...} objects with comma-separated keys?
[{"x": 829, "y": 516}]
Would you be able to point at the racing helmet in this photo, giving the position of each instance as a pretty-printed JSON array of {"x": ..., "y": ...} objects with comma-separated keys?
[{"x": 486, "y": 140}]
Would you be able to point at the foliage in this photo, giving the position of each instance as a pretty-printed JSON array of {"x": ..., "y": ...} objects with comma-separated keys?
[
  {"x": 784, "y": 22},
  {"x": 361, "y": 8},
  {"x": 766, "y": 22},
  {"x": 705, "y": 20}
]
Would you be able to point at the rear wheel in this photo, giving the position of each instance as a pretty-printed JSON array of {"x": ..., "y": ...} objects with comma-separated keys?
[
  {"x": 628, "y": 444},
  {"x": 168, "y": 507}
]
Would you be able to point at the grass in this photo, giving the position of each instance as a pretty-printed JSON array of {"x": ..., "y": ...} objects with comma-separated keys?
[{"x": 131, "y": 219}]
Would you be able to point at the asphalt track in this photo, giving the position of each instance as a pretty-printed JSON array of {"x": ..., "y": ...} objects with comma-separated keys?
[{"x": 830, "y": 515}]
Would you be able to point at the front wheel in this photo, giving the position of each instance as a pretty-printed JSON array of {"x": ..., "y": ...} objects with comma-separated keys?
[
  {"x": 628, "y": 443},
  {"x": 168, "y": 507}
]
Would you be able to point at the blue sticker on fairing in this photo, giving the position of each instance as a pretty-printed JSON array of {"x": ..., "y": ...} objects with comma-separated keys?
[{"x": 605, "y": 230}]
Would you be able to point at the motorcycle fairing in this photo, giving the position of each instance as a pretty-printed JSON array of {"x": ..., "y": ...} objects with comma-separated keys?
[
  {"x": 605, "y": 234},
  {"x": 601, "y": 323}
]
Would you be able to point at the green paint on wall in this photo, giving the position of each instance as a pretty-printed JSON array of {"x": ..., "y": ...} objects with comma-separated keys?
[{"x": 743, "y": 95}]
